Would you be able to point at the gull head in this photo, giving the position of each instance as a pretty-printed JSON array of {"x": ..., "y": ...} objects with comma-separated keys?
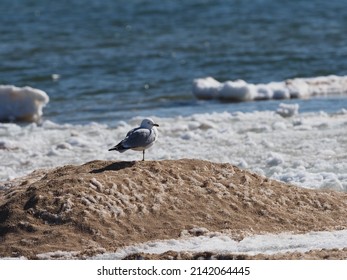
[{"x": 148, "y": 123}]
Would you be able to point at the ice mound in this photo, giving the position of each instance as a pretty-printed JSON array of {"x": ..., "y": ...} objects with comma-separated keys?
[
  {"x": 239, "y": 90},
  {"x": 21, "y": 104},
  {"x": 79, "y": 211}
]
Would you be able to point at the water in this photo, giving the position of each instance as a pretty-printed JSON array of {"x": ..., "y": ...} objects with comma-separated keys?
[{"x": 120, "y": 59}]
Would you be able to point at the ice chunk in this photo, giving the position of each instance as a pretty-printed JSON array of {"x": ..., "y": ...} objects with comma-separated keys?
[
  {"x": 206, "y": 88},
  {"x": 237, "y": 91},
  {"x": 287, "y": 110},
  {"x": 21, "y": 104}
]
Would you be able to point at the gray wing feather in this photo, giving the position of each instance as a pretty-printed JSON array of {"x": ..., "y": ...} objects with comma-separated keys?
[
  {"x": 138, "y": 137},
  {"x": 131, "y": 131}
]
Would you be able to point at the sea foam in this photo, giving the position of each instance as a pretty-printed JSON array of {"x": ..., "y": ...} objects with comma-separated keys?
[
  {"x": 21, "y": 104},
  {"x": 239, "y": 90}
]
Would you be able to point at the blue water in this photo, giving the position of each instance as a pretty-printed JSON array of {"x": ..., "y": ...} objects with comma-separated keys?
[{"x": 119, "y": 59}]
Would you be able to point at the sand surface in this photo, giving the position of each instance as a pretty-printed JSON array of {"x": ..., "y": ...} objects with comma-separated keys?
[{"x": 101, "y": 206}]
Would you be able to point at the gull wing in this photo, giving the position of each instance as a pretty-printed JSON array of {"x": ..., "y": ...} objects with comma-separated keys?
[{"x": 138, "y": 137}]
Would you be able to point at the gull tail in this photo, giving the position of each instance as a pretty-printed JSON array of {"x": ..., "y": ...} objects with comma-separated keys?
[{"x": 119, "y": 148}]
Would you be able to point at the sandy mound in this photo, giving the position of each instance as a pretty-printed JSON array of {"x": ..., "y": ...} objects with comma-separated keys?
[{"x": 101, "y": 206}]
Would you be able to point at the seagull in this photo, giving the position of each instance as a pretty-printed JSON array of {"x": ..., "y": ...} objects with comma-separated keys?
[{"x": 139, "y": 138}]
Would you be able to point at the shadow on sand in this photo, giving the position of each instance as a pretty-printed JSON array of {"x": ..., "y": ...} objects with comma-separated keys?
[{"x": 115, "y": 166}]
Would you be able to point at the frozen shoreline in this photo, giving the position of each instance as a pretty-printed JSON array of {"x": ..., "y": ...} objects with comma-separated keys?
[
  {"x": 216, "y": 243},
  {"x": 305, "y": 149}
]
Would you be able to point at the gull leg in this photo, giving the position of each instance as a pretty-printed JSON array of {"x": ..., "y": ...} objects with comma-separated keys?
[{"x": 143, "y": 155}]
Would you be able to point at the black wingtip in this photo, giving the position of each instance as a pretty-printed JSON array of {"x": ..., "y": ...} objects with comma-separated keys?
[{"x": 118, "y": 148}]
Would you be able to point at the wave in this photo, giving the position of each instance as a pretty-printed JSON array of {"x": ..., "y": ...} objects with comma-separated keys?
[
  {"x": 239, "y": 90},
  {"x": 21, "y": 104}
]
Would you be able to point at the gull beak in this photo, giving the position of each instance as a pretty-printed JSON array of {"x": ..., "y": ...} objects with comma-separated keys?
[{"x": 155, "y": 124}]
